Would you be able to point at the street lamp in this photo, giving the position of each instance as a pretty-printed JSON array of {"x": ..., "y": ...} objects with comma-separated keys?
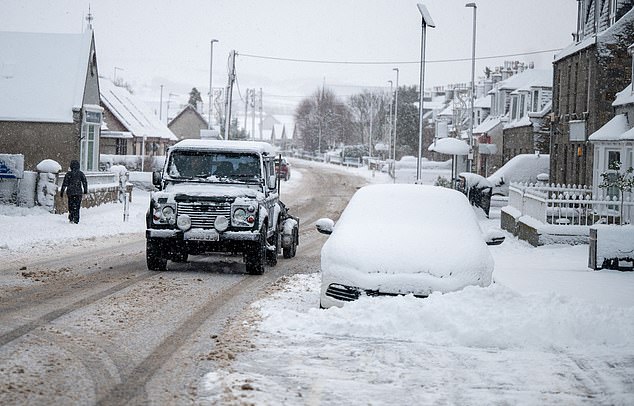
[
  {"x": 391, "y": 120},
  {"x": 472, "y": 5},
  {"x": 211, "y": 90},
  {"x": 395, "y": 121},
  {"x": 426, "y": 20}
]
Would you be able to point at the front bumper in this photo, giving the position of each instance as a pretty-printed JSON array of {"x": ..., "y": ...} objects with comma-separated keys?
[{"x": 180, "y": 235}]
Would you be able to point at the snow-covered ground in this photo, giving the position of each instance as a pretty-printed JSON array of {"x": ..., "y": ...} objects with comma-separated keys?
[{"x": 548, "y": 331}]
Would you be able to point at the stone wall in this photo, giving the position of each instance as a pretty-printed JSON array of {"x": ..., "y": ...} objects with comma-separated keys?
[{"x": 39, "y": 141}]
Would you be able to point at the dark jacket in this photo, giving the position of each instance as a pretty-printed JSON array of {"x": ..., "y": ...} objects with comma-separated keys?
[{"x": 74, "y": 181}]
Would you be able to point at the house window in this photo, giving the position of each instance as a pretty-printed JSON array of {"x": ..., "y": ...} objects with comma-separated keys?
[
  {"x": 91, "y": 123},
  {"x": 121, "y": 146},
  {"x": 522, "y": 105},
  {"x": 536, "y": 106},
  {"x": 577, "y": 130},
  {"x": 514, "y": 108},
  {"x": 613, "y": 156},
  {"x": 612, "y": 17}
]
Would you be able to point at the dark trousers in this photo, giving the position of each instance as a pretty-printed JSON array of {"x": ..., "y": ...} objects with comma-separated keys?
[{"x": 74, "y": 203}]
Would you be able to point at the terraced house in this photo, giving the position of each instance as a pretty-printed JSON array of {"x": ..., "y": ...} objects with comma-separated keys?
[{"x": 587, "y": 76}]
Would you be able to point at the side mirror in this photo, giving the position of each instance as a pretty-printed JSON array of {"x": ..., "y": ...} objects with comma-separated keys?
[
  {"x": 494, "y": 237},
  {"x": 272, "y": 182},
  {"x": 325, "y": 226},
  {"x": 157, "y": 178}
]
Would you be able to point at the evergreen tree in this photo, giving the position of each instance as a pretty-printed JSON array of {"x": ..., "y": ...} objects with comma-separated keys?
[{"x": 194, "y": 98}]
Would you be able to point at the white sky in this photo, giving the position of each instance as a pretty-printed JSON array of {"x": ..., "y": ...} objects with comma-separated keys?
[{"x": 164, "y": 42}]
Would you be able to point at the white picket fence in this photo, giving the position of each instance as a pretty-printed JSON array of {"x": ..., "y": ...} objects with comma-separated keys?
[{"x": 569, "y": 205}]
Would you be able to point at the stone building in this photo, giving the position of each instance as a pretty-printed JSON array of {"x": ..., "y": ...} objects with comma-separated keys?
[
  {"x": 49, "y": 98},
  {"x": 520, "y": 100},
  {"x": 587, "y": 76},
  {"x": 128, "y": 123},
  {"x": 187, "y": 123},
  {"x": 614, "y": 141}
]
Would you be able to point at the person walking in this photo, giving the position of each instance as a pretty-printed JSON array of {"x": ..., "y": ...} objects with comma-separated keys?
[{"x": 75, "y": 186}]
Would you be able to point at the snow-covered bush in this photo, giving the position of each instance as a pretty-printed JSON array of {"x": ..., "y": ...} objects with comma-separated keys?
[{"x": 46, "y": 188}]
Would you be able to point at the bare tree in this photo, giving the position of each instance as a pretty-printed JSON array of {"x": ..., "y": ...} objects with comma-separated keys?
[{"x": 323, "y": 121}]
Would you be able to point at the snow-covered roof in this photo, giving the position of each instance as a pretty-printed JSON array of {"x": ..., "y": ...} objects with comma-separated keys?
[
  {"x": 525, "y": 121},
  {"x": 487, "y": 125},
  {"x": 42, "y": 76},
  {"x": 450, "y": 146},
  {"x": 184, "y": 109},
  {"x": 483, "y": 102},
  {"x": 528, "y": 78},
  {"x": 625, "y": 96},
  {"x": 607, "y": 36},
  {"x": 223, "y": 145},
  {"x": 613, "y": 130},
  {"x": 132, "y": 112}
]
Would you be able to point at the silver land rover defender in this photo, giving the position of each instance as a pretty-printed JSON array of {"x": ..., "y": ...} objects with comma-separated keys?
[{"x": 219, "y": 196}]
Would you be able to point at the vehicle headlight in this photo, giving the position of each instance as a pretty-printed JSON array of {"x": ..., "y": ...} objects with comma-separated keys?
[
  {"x": 221, "y": 223},
  {"x": 169, "y": 214},
  {"x": 240, "y": 215},
  {"x": 184, "y": 222},
  {"x": 243, "y": 216}
]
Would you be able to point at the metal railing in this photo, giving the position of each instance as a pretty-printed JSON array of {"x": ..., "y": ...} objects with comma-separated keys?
[{"x": 569, "y": 205}]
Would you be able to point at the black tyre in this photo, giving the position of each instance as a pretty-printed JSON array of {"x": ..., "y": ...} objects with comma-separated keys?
[
  {"x": 180, "y": 256},
  {"x": 256, "y": 256},
  {"x": 271, "y": 256},
  {"x": 292, "y": 249},
  {"x": 155, "y": 262}
]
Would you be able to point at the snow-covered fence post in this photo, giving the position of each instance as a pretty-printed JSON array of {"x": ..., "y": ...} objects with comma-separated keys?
[{"x": 46, "y": 187}]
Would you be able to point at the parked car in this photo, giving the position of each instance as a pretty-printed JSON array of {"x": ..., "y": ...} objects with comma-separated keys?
[
  {"x": 521, "y": 168},
  {"x": 283, "y": 168},
  {"x": 398, "y": 239}
]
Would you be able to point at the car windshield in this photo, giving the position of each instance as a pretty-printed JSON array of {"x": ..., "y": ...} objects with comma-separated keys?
[{"x": 208, "y": 166}]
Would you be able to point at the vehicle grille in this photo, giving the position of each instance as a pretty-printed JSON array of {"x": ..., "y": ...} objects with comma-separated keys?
[
  {"x": 349, "y": 293},
  {"x": 203, "y": 214},
  {"x": 341, "y": 292}
]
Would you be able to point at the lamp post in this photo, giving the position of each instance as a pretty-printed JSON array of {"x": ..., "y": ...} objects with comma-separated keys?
[
  {"x": 426, "y": 20},
  {"x": 211, "y": 89},
  {"x": 472, "y": 90},
  {"x": 391, "y": 120},
  {"x": 395, "y": 121}
]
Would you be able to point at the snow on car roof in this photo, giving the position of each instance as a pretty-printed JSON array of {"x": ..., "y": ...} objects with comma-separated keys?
[
  {"x": 224, "y": 145},
  {"x": 521, "y": 168},
  {"x": 409, "y": 229}
]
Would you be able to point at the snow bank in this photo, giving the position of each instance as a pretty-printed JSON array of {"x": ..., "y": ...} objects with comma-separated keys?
[{"x": 471, "y": 317}]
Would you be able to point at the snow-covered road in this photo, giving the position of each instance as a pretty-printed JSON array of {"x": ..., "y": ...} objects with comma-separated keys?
[{"x": 549, "y": 331}]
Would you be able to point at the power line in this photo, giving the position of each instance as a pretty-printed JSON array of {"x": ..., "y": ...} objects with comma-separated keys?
[{"x": 321, "y": 61}]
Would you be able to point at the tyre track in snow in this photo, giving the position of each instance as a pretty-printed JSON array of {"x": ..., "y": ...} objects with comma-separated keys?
[
  {"x": 113, "y": 368},
  {"x": 15, "y": 333}
]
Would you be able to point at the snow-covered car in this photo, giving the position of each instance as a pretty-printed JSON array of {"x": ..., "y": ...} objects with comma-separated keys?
[
  {"x": 399, "y": 239},
  {"x": 521, "y": 168}
]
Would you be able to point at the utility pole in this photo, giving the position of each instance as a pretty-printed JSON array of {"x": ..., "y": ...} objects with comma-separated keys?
[
  {"x": 211, "y": 89},
  {"x": 261, "y": 114},
  {"x": 395, "y": 120},
  {"x": 371, "y": 119},
  {"x": 161, "y": 105},
  {"x": 229, "y": 95},
  {"x": 246, "y": 110},
  {"x": 253, "y": 113}
]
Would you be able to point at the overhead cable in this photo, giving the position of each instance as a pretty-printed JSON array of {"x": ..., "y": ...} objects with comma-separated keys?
[{"x": 320, "y": 61}]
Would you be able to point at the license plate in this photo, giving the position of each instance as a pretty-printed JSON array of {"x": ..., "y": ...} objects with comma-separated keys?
[{"x": 201, "y": 235}]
